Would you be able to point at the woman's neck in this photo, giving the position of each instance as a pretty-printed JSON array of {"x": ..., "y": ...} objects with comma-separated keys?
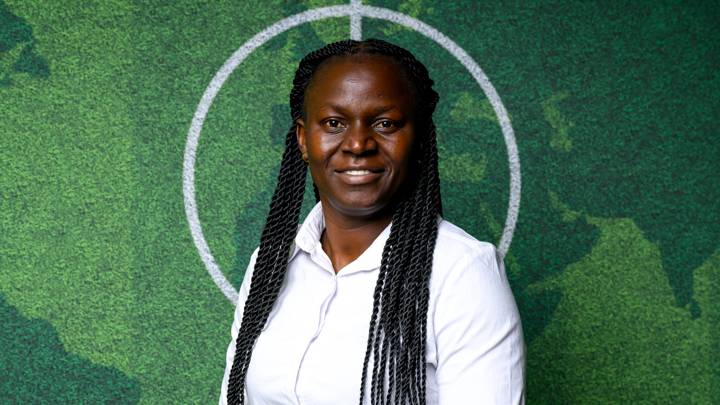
[{"x": 345, "y": 239}]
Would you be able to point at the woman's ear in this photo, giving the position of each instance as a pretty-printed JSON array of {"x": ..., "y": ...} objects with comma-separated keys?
[{"x": 300, "y": 134}]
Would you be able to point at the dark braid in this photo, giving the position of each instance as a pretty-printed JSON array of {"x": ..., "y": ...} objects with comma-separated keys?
[{"x": 398, "y": 324}]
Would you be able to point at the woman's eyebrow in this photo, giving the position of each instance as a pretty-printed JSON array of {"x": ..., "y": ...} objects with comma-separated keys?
[
  {"x": 343, "y": 111},
  {"x": 384, "y": 109}
]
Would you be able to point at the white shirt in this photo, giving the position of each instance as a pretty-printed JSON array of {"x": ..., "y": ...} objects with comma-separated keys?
[{"x": 312, "y": 348}]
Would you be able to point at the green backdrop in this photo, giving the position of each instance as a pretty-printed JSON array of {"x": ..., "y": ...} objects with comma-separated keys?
[{"x": 615, "y": 260}]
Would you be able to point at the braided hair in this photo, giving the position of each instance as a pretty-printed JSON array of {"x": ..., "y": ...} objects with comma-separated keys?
[{"x": 398, "y": 324}]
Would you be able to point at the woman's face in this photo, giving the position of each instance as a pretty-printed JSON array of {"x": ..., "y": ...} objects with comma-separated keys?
[{"x": 358, "y": 133}]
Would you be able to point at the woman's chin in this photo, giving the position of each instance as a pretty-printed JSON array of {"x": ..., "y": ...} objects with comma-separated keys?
[{"x": 361, "y": 209}]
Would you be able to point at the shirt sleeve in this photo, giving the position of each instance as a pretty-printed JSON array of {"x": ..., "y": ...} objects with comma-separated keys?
[
  {"x": 478, "y": 334},
  {"x": 237, "y": 318}
]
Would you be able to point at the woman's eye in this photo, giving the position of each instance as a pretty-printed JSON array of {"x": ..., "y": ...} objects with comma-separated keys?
[
  {"x": 385, "y": 124},
  {"x": 333, "y": 124}
]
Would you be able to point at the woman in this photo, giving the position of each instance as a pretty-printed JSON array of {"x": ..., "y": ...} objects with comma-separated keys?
[{"x": 378, "y": 300}]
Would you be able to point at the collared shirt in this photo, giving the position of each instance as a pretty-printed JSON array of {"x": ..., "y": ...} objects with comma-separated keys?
[{"x": 312, "y": 348}]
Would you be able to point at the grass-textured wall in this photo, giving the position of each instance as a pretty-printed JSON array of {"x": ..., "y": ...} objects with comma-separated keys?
[{"x": 615, "y": 260}]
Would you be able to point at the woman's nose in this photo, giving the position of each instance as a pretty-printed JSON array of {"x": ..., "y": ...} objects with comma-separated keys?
[{"x": 359, "y": 140}]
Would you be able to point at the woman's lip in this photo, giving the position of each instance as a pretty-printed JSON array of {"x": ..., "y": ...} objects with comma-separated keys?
[
  {"x": 359, "y": 176},
  {"x": 360, "y": 170}
]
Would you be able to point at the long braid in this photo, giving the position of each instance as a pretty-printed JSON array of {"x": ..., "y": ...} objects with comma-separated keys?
[
  {"x": 275, "y": 244},
  {"x": 398, "y": 324}
]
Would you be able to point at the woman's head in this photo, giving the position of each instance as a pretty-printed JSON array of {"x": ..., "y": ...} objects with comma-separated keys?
[
  {"x": 342, "y": 89},
  {"x": 358, "y": 134},
  {"x": 362, "y": 111}
]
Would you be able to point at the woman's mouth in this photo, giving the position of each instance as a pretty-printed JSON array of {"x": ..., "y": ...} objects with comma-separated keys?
[
  {"x": 357, "y": 172},
  {"x": 359, "y": 176}
]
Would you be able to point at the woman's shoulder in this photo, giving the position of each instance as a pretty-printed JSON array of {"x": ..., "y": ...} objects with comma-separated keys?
[
  {"x": 454, "y": 242},
  {"x": 460, "y": 258},
  {"x": 468, "y": 275}
]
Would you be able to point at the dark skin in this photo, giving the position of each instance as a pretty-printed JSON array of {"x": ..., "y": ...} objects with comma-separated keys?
[{"x": 358, "y": 137}]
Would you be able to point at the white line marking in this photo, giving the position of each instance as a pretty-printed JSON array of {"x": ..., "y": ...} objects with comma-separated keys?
[
  {"x": 356, "y": 20},
  {"x": 354, "y": 9}
]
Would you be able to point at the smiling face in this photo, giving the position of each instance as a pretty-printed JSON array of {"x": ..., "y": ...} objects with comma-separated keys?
[{"x": 358, "y": 133}]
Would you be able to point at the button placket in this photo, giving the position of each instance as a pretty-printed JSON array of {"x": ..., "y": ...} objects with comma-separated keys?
[
  {"x": 325, "y": 306},
  {"x": 321, "y": 322}
]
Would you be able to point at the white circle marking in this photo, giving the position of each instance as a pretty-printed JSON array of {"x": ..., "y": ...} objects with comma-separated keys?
[{"x": 353, "y": 10}]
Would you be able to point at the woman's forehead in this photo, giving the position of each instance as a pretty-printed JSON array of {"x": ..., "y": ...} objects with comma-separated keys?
[{"x": 370, "y": 74}]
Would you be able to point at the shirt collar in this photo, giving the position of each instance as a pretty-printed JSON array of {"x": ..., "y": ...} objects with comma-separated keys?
[
  {"x": 308, "y": 239},
  {"x": 309, "y": 233}
]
